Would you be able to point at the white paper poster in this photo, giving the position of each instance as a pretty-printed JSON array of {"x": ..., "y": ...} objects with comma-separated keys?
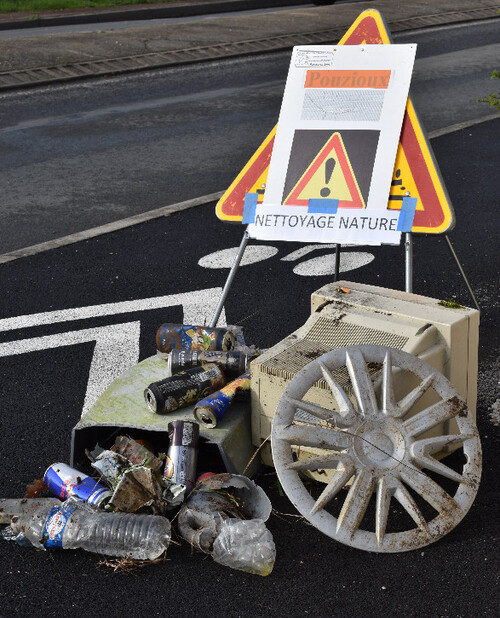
[{"x": 336, "y": 143}]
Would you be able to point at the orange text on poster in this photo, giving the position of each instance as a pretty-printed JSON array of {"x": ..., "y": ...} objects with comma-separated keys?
[{"x": 347, "y": 79}]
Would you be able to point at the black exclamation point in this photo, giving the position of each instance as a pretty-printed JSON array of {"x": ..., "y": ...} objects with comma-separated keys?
[{"x": 329, "y": 167}]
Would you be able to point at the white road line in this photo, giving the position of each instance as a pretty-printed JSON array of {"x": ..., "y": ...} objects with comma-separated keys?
[
  {"x": 198, "y": 307},
  {"x": 117, "y": 345},
  {"x": 116, "y": 350}
]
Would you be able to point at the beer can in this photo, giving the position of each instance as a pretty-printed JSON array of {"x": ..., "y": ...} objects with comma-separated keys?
[
  {"x": 190, "y": 337},
  {"x": 182, "y": 455},
  {"x": 64, "y": 481},
  {"x": 210, "y": 410},
  {"x": 183, "y": 389},
  {"x": 233, "y": 363}
]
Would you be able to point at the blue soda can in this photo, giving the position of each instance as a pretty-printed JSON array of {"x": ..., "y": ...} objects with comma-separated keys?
[
  {"x": 191, "y": 337},
  {"x": 210, "y": 411},
  {"x": 64, "y": 481}
]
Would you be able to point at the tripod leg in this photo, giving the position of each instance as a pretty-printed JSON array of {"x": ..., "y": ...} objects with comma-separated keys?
[{"x": 229, "y": 281}]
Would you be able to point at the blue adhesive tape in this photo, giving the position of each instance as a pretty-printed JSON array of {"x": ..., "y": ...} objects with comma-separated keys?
[
  {"x": 407, "y": 214},
  {"x": 322, "y": 206},
  {"x": 249, "y": 207}
]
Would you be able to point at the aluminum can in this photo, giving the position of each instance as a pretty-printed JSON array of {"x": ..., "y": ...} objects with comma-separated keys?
[
  {"x": 190, "y": 337},
  {"x": 182, "y": 455},
  {"x": 233, "y": 364},
  {"x": 210, "y": 410},
  {"x": 64, "y": 481},
  {"x": 183, "y": 389}
]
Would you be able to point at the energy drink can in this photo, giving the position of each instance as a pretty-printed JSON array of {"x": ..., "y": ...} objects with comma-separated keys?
[
  {"x": 189, "y": 337},
  {"x": 233, "y": 364},
  {"x": 210, "y": 411},
  {"x": 182, "y": 456},
  {"x": 183, "y": 389},
  {"x": 64, "y": 481}
]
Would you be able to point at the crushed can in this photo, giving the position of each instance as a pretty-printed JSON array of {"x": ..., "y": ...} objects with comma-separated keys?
[
  {"x": 182, "y": 455},
  {"x": 233, "y": 363},
  {"x": 64, "y": 481},
  {"x": 210, "y": 410},
  {"x": 183, "y": 389},
  {"x": 190, "y": 337}
]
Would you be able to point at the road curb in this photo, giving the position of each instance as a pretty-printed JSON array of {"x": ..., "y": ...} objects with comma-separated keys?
[
  {"x": 115, "y": 65},
  {"x": 164, "y": 211}
]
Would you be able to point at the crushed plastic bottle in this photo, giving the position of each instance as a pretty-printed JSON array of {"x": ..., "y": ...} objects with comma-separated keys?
[
  {"x": 246, "y": 545},
  {"x": 224, "y": 516},
  {"x": 73, "y": 524}
]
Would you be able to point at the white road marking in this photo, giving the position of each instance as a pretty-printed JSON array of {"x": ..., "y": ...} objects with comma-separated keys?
[
  {"x": 226, "y": 257},
  {"x": 198, "y": 307},
  {"x": 325, "y": 264},
  {"x": 116, "y": 349},
  {"x": 295, "y": 255},
  {"x": 117, "y": 345}
]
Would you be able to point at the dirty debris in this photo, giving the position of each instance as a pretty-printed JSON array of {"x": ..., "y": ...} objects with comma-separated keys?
[
  {"x": 110, "y": 466},
  {"x": 138, "y": 487},
  {"x": 34, "y": 489},
  {"x": 137, "y": 453},
  {"x": 208, "y": 519},
  {"x": 450, "y": 304},
  {"x": 210, "y": 410},
  {"x": 135, "y": 487},
  {"x": 133, "y": 472}
]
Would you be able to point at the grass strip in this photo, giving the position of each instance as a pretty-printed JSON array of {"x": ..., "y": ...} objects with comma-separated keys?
[{"x": 15, "y": 6}]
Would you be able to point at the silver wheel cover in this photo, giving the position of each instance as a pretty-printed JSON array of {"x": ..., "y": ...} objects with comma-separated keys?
[{"x": 376, "y": 443}]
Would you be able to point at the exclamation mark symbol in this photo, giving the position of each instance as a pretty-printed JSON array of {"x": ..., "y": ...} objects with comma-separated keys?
[{"x": 329, "y": 167}]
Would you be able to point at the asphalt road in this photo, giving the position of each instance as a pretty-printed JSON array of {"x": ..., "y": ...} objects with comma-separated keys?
[
  {"x": 85, "y": 154},
  {"x": 45, "y": 361},
  {"x": 43, "y": 391}
]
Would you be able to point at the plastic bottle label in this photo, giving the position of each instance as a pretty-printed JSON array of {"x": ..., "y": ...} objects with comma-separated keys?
[{"x": 54, "y": 527}]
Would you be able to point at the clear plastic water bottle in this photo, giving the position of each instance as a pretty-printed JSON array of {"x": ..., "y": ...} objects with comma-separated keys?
[{"x": 73, "y": 524}]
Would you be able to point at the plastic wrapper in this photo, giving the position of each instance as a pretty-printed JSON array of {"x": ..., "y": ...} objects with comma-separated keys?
[
  {"x": 245, "y": 545},
  {"x": 173, "y": 494},
  {"x": 222, "y": 498}
]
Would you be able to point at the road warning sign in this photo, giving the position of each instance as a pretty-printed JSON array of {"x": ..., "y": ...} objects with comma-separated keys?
[
  {"x": 330, "y": 176},
  {"x": 415, "y": 171},
  {"x": 251, "y": 179}
]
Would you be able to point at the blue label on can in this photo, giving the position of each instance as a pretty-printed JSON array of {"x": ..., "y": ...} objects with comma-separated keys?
[
  {"x": 90, "y": 491},
  {"x": 55, "y": 525},
  {"x": 219, "y": 403},
  {"x": 64, "y": 481}
]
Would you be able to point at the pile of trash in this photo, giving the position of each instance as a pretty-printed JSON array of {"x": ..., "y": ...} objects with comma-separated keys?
[{"x": 126, "y": 511}]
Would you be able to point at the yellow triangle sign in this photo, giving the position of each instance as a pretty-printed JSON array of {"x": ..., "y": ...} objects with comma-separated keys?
[
  {"x": 330, "y": 175},
  {"x": 415, "y": 167}
]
